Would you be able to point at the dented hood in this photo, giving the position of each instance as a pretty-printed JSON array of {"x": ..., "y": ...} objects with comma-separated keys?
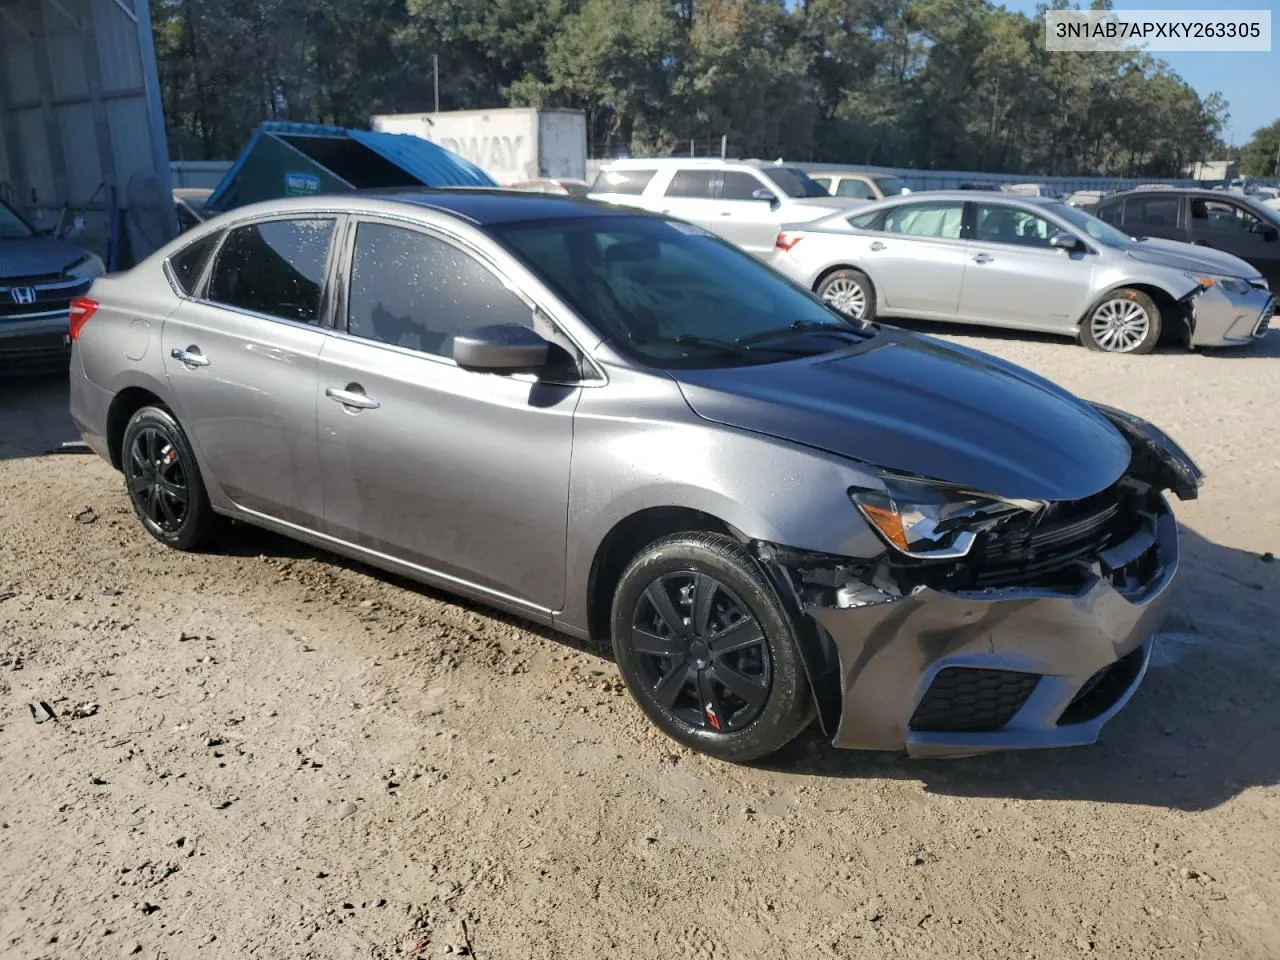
[{"x": 915, "y": 405}]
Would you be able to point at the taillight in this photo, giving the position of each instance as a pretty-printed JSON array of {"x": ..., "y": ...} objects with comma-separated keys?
[
  {"x": 786, "y": 241},
  {"x": 82, "y": 308}
]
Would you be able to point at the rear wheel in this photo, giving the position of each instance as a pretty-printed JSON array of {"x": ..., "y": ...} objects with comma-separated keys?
[
  {"x": 1123, "y": 321},
  {"x": 851, "y": 292},
  {"x": 163, "y": 480},
  {"x": 707, "y": 650}
]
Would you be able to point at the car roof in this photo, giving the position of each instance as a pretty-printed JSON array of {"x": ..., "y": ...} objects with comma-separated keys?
[
  {"x": 648, "y": 163},
  {"x": 970, "y": 196},
  {"x": 480, "y": 207}
]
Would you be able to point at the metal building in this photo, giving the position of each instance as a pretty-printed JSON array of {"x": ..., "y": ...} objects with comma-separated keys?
[{"x": 82, "y": 141}]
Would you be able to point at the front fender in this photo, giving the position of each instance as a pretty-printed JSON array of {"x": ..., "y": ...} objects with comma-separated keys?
[{"x": 637, "y": 448}]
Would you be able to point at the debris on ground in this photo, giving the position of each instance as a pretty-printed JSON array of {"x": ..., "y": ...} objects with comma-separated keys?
[
  {"x": 41, "y": 711},
  {"x": 87, "y": 515},
  {"x": 82, "y": 710}
]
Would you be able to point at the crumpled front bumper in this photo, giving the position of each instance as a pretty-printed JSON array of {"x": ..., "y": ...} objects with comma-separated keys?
[
  {"x": 1220, "y": 318},
  {"x": 1089, "y": 650}
]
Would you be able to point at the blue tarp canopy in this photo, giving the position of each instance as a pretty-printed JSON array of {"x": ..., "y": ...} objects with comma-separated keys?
[{"x": 297, "y": 159}]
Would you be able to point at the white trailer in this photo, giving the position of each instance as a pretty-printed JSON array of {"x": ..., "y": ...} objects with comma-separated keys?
[{"x": 514, "y": 144}]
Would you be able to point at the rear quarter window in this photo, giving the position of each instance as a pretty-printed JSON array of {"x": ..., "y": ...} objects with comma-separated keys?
[
  {"x": 188, "y": 263},
  {"x": 630, "y": 182}
]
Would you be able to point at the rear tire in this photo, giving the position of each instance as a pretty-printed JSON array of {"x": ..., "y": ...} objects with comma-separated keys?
[
  {"x": 724, "y": 678},
  {"x": 1123, "y": 321},
  {"x": 851, "y": 292},
  {"x": 163, "y": 480}
]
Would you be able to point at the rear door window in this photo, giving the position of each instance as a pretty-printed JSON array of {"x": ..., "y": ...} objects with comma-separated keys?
[
  {"x": 629, "y": 182},
  {"x": 188, "y": 263},
  {"x": 1112, "y": 213},
  {"x": 693, "y": 184},
  {"x": 940, "y": 218},
  {"x": 413, "y": 290},
  {"x": 275, "y": 268},
  {"x": 1152, "y": 211},
  {"x": 856, "y": 188}
]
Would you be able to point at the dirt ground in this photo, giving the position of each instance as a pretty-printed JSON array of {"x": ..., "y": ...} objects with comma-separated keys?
[{"x": 267, "y": 751}]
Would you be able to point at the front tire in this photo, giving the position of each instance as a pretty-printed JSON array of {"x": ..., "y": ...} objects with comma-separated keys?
[
  {"x": 1123, "y": 321},
  {"x": 851, "y": 292},
  {"x": 163, "y": 480},
  {"x": 707, "y": 650}
]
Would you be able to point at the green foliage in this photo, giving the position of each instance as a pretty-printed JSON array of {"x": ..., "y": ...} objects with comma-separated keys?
[
  {"x": 920, "y": 83},
  {"x": 1260, "y": 157}
]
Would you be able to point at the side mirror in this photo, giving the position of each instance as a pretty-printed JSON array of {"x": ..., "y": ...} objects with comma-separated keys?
[
  {"x": 760, "y": 193},
  {"x": 1266, "y": 230},
  {"x": 501, "y": 348},
  {"x": 1065, "y": 241}
]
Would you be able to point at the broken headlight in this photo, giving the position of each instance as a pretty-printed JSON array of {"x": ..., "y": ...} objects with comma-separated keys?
[
  {"x": 929, "y": 519},
  {"x": 1173, "y": 468}
]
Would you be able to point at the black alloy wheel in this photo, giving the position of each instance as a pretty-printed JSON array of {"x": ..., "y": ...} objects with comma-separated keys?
[
  {"x": 163, "y": 480},
  {"x": 701, "y": 653},
  {"x": 156, "y": 481},
  {"x": 708, "y": 649}
]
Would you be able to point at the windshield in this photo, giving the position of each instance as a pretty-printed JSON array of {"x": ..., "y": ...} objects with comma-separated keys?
[
  {"x": 671, "y": 295},
  {"x": 892, "y": 186},
  {"x": 794, "y": 183},
  {"x": 12, "y": 226},
  {"x": 1099, "y": 230}
]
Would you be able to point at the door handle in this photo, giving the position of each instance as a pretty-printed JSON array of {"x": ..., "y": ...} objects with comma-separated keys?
[
  {"x": 877, "y": 245},
  {"x": 352, "y": 398},
  {"x": 726, "y": 213},
  {"x": 190, "y": 357},
  {"x": 983, "y": 258}
]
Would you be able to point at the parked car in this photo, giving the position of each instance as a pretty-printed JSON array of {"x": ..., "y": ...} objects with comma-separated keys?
[
  {"x": 1233, "y": 223},
  {"x": 859, "y": 184},
  {"x": 188, "y": 206},
  {"x": 39, "y": 275},
  {"x": 620, "y": 426},
  {"x": 1025, "y": 263},
  {"x": 744, "y": 201},
  {"x": 563, "y": 186},
  {"x": 1085, "y": 198},
  {"x": 1028, "y": 189}
]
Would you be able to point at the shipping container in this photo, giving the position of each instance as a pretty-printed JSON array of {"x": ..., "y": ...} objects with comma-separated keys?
[{"x": 510, "y": 145}]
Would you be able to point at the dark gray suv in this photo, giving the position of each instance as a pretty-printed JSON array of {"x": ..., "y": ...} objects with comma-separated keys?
[{"x": 39, "y": 276}]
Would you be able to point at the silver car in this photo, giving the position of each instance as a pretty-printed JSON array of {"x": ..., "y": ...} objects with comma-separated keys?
[
  {"x": 743, "y": 201},
  {"x": 1026, "y": 263},
  {"x": 624, "y": 428}
]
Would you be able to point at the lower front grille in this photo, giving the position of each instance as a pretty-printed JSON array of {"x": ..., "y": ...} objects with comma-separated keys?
[
  {"x": 1102, "y": 690},
  {"x": 970, "y": 700},
  {"x": 1264, "y": 321}
]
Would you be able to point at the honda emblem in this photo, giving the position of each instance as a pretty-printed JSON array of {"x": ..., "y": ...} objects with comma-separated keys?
[{"x": 23, "y": 295}]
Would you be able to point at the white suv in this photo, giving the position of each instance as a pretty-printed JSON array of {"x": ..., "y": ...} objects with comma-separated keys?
[{"x": 744, "y": 201}]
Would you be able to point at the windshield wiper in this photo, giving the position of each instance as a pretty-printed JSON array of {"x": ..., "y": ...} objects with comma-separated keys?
[{"x": 804, "y": 326}]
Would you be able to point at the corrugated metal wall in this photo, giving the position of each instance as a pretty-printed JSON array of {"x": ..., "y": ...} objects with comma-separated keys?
[{"x": 79, "y": 108}]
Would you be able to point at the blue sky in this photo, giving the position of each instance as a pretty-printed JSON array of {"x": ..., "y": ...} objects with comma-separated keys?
[{"x": 1249, "y": 81}]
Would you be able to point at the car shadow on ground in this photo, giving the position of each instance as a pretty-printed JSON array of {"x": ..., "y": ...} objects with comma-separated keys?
[{"x": 1266, "y": 348}]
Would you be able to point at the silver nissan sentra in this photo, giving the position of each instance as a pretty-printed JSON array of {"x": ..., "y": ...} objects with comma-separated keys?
[{"x": 618, "y": 425}]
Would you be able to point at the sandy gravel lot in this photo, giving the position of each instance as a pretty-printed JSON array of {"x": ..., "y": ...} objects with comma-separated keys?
[{"x": 271, "y": 752}]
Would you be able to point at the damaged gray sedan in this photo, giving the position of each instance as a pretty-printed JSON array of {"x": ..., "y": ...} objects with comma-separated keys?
[{"x": 622, "y": 427}]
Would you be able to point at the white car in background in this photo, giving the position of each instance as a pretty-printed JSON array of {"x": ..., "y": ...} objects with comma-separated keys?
[{"x": 743, "y": 201}]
